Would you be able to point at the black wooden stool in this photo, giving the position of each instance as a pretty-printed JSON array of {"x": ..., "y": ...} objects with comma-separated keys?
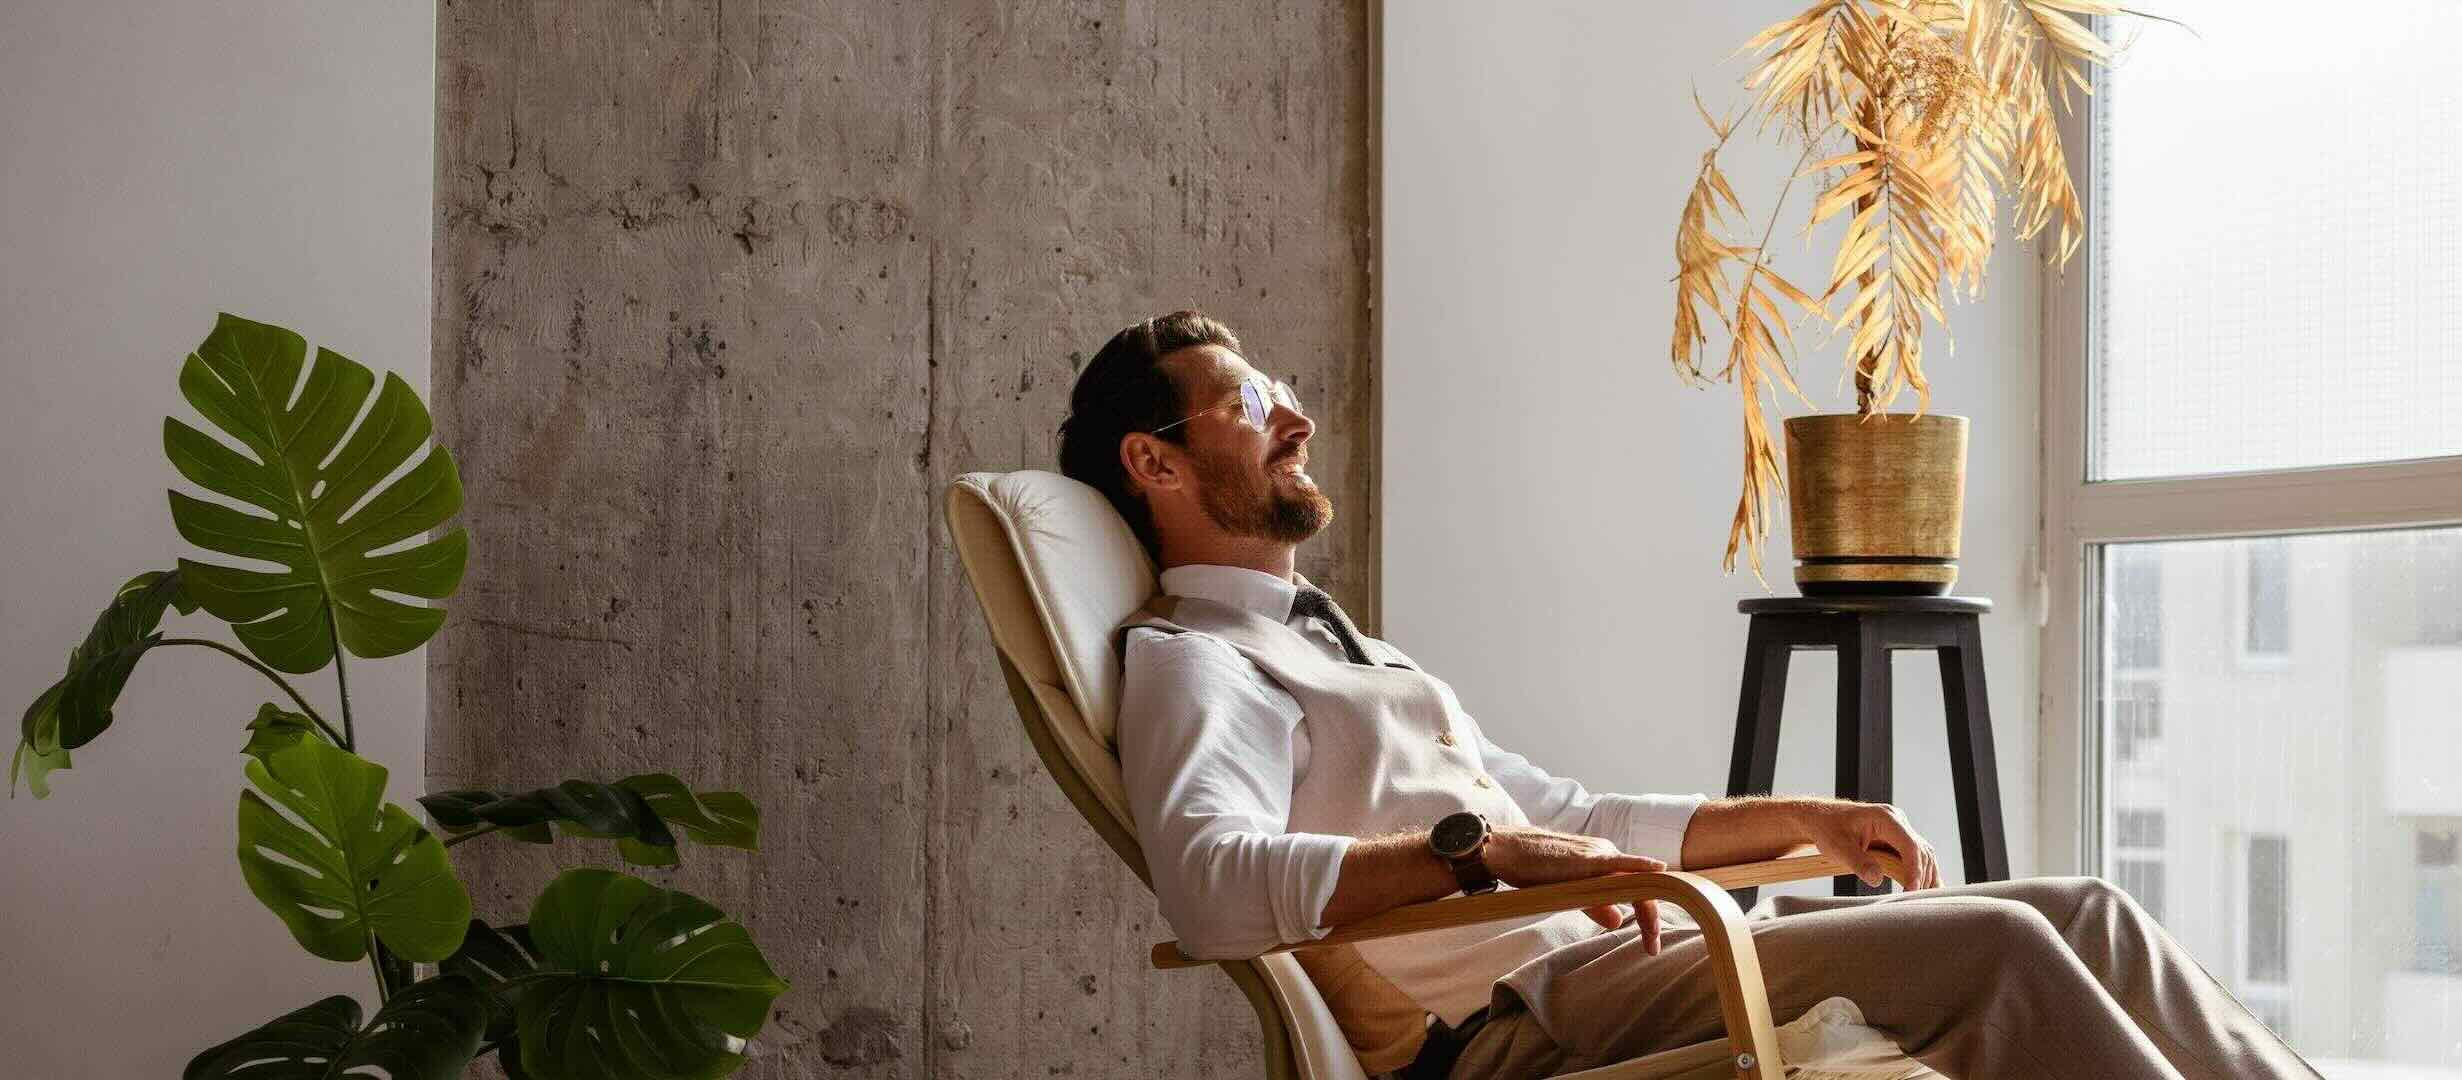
[{"x": 1864, "y": 630}]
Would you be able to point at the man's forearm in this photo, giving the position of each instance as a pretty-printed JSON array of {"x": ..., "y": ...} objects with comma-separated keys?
[
  {"x": 1724, "y": 832},
  {"x": 1382, "y": 872}
]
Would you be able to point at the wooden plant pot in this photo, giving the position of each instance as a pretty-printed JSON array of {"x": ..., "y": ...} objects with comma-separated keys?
[{"x": 1875, "y": 503}]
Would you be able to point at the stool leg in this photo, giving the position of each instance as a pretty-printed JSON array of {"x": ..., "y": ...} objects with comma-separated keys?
[
  {"x": 1863, "y": 728},
  {"x": 1973, "y": 772},
  {"x": 1753, "y": 768}
]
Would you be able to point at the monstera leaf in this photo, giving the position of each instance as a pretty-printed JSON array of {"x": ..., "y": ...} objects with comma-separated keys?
[
  {"x": 32, "y": 761},
  {"x": 725, "y": 818},
  {"x": 427, "y": 1032},
  {"x": 635, "y": 982},
  {"x": 328, "y": 516},
  {"x": 351, "y": 863},
  {"x": 78, "y": 707},
  {"x": 495, "y": 959},
  {"x": 636, "y": 811},
  {"x": 276, "y": 728}
]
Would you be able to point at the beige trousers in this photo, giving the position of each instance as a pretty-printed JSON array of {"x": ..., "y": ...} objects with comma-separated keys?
[{"x": 2046, "y": 977}]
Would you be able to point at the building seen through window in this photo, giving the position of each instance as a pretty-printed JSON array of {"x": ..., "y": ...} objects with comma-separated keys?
[{"x": 2278, "y": 718}]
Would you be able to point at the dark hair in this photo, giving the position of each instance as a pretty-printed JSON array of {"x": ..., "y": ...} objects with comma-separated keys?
[{"x": 1122, "y": 390}]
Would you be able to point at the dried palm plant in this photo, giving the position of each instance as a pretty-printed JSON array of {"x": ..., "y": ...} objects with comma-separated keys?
[{"x": 1928, "y": 112}]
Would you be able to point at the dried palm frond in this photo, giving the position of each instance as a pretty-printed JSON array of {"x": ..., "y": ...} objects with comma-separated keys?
[
  {"x": 1799, "y": 75},
  {"x": 1701, "y": 258},
  {"x": 1939, "y": 108},
  {"x": 1755, "y": 359}
]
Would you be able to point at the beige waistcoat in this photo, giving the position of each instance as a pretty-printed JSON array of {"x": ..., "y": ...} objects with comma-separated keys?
[{"x": 1390, "y": 751}]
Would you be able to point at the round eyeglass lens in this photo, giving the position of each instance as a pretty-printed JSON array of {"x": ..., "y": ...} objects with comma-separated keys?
[{"x": 1252, "y": 404}]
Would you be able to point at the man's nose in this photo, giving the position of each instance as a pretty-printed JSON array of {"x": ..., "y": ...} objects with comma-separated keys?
[{"x": 1292, "y": 425}]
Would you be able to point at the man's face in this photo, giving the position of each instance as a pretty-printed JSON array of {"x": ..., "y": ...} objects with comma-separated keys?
[{"x": 1249, "y": 482}]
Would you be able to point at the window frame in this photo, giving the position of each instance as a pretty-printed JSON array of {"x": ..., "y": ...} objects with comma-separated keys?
[{"x": 2079, "y": 515}]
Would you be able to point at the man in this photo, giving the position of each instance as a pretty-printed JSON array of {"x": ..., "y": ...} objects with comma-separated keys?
[{"x": 1288, "y": 774}]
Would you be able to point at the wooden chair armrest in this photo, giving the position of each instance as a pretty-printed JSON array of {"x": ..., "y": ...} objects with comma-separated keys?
[
  {"x": 1743, "y": 998},
  {"x": 1544, "y": 899}
]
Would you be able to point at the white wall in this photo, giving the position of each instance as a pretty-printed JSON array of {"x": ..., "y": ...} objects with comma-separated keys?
[
  {"x": 1555, "y": 502},
  {"x": 164, "y": 160}
]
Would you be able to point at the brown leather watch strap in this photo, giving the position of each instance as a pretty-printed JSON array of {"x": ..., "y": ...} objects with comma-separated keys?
[{"x": 1471, "y": 872}]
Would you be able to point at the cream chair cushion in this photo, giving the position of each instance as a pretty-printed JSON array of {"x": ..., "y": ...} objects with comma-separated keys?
[{"x": 1083, "y": 572}]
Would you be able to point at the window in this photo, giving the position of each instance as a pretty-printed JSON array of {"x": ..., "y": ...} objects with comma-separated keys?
[
  {"x": 2268, "y": 910},
  {"x": 2265, "y": 600},
  {"x": 2139, "y": 829},
  {"x": 2436, "y": 906},
  {"x": 2136, "y": 721},
  {"x": 2143, "y": 879},
  {"x": 2263, "y": 309},
  {"x": 2137, "y": 609},
  {"x": 2216, "y": 774},
  {"x": 2436, "y": 849},
  {"x": 2135, "y": 704},
  {"x": 2137, "y": 864},
  {"x": 2252, "y": 529},
  {"x": 2436, "y": 613},
  {"x": 2261, "y": 968}
]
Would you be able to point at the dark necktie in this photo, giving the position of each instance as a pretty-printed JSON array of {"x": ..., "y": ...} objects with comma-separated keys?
[{"x": 1312, "y": 601}]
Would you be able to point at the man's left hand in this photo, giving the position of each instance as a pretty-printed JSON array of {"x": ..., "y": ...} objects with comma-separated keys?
[{"x": 1855, "y": 833}]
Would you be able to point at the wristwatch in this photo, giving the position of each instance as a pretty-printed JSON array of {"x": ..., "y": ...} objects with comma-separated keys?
[{"x": 1457, "y": 839}]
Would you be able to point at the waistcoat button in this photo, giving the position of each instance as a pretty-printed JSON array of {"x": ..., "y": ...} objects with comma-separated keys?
[
  {"x": 1482, "y": 782},
  {"x": 1445, "y": 737}
]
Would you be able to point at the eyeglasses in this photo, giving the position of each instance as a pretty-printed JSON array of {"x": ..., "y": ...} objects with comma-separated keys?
[{"x": 1258, "y": 396}]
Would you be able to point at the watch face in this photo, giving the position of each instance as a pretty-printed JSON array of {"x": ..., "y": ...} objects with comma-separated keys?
[{"x": 1457, "y": 834}]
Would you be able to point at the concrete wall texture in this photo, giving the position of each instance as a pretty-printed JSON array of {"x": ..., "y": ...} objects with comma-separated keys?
[{"x": 725, "y": 295}]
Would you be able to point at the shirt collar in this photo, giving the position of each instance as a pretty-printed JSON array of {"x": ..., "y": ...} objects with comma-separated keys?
[{"x": 1234, "y": 586}]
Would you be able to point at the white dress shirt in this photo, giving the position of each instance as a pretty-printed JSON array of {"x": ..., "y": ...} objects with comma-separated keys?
[{"x": 1211, "y": 749}]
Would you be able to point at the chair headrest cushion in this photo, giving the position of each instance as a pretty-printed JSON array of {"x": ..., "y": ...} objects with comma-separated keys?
[{"x": 1057, "y": 571}]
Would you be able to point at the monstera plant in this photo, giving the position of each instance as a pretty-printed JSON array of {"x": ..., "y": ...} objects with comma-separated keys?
[{"x": 612, "y": 976}]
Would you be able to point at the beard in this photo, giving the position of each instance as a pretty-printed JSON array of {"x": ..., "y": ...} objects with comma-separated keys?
[{"x": 1245, "y": 501}]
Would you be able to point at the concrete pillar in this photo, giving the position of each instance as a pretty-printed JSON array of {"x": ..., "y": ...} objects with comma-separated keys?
[{"x": 726, "y": 293}]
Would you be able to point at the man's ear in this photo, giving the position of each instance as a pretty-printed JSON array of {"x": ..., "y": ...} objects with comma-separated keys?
[{"x": 1152, "y": 464}]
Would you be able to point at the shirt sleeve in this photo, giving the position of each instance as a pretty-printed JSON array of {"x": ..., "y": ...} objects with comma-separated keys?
[
  {"x": 1651, "y": 825},
  {"x": 1206, "y": 753}
]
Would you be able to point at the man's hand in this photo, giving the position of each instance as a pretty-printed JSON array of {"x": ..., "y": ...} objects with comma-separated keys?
[
  {"x": 1853, "y": 832},
  {"x": 1522, "y": 856}
]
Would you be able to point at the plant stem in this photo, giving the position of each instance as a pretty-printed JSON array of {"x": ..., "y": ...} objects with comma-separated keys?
[
  {"x": 341, "y": 682},
  {"x": 1865, "y": 363},
  {"x": 376, "y": 963},
  {"x": 480, "y": 831},
  {"x": 401, "y": 971},
  {"x": 1760, "y": 252},
  {"x": 1874, "y": 120},
  {"x": 269, "y": 673}
]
